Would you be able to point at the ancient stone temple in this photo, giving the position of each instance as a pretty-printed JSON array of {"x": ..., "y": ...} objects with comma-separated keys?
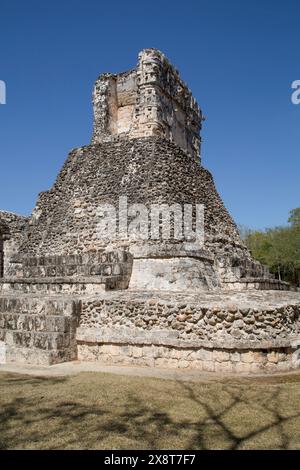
[{"x": 132, "y": 258}]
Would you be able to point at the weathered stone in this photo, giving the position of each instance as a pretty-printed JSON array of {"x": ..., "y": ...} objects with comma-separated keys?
[
  {"x": 220, "y": 356},
  {"x": 235, "y": 357},
  {"x": 273, "y": 357},
  {"x": 181, "y": 317},
  {"x": 247, "y": 357}
]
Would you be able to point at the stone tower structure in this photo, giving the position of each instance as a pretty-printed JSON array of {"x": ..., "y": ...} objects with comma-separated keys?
[
  {"x": 69, "y": 290},
  {"x": 150, "y": 100}
]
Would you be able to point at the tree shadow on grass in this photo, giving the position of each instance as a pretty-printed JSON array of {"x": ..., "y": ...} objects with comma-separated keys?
[
  {"x": 269, "y": 404},
  {"x": 8, "y": 379},
  {"x": 215, "y": 417}
]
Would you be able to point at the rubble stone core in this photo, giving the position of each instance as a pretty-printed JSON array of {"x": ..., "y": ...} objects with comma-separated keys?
[{"x": 66, "y": 293}]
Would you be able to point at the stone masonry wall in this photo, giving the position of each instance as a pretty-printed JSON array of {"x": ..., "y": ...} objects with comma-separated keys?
[
  {"x": 224, "y": 333},
  {"x": 184, "y": 320},
  {"x": 229, "y": 361}
]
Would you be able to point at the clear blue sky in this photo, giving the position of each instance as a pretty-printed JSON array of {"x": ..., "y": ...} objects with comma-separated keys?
[{"x": 238, "y": 57}]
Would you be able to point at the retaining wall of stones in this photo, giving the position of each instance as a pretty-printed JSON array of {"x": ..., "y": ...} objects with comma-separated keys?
[
  {"x": 189, "y": 318},
  {"x": 248, "y": 333},
  {"x": 202, "y": 359}
]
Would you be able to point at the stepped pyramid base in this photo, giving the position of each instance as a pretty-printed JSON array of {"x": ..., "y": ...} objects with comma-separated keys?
[{"x": 233, "y": 332}]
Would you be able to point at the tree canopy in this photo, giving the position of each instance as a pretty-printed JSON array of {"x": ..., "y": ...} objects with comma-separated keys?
[{"x": 278, "y": 247}]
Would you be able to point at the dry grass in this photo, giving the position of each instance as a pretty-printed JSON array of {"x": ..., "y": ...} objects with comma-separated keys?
[{"x": 105, "y": 411}]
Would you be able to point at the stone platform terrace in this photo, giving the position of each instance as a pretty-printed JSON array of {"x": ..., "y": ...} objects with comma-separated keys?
[{"x": 244, "y": 331}]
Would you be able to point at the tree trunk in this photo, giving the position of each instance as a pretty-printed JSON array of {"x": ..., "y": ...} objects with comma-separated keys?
[{"x": 279, "y": 273}]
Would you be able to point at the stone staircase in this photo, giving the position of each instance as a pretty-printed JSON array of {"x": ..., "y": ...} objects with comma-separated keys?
[
  {"x": 39, "y": 312},
  {"x": 38, "y": 328}
]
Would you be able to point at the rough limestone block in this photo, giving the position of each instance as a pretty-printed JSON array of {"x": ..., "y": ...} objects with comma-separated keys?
[
  {"x": 260, "y": 357},
  {"x": 247, "y": 357},
  {"x": 273, "y": 357},
  {"x": 235, "y": 357},
  {"x": 220, "y": 356}
]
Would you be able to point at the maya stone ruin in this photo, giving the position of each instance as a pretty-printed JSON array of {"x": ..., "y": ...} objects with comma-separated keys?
[{"x": 66, "y": 293}]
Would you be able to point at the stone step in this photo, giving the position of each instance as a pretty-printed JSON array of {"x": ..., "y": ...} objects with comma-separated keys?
[
  {"x": 253, "y": 283},
  {"x": 49, "y": 286},
  {"x": 40, "y": 305}
]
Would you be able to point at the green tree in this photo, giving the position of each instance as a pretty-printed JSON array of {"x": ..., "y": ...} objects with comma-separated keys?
[
  {"x": 279, "y": 248},
  {"x": 294, "y": 218}
]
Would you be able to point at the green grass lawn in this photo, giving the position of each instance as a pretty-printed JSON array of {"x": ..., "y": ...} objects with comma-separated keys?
[{"x": 106, "y": 411}]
